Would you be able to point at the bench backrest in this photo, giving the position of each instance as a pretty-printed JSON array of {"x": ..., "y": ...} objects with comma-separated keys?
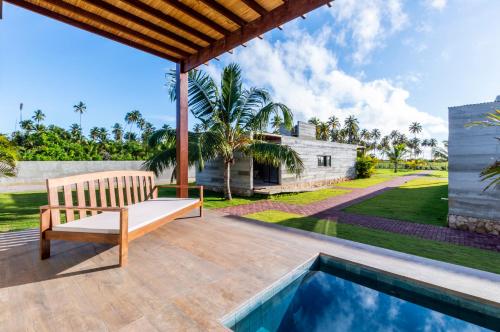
[{"x": 102, "y": 189}]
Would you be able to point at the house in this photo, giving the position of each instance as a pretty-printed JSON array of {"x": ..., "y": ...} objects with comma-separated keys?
[
  {"x": 325, "y": 163},
  {"x": 470, "y": 149}
]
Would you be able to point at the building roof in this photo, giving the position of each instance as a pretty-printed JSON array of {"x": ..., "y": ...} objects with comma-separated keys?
[{"x": 190, "y": 32}]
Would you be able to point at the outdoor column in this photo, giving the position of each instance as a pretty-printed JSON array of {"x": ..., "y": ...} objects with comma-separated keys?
[{"x": 182, "y": 131}]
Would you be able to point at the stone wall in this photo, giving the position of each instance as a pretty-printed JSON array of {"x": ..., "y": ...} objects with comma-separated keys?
[
  {"x": 36, "y": 172},
  {"x": 470, "y": 150}
]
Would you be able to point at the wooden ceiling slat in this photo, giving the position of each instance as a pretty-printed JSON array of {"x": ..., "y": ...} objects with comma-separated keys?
[
  {"x": 104, "y": 21},
  {"x": 256, "y": 7},
  {"x": 168, "y": 19},
  {"x": 197, "y": 16},
  {"x": 140, "y": 21},
  {"x": 278, "y": 16},
  {"x": 224, "y": 11},
  {"x": 90, "y": 28}
]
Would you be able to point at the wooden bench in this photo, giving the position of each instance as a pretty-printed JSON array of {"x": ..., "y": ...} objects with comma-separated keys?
[{"x": 112, "y": 207}]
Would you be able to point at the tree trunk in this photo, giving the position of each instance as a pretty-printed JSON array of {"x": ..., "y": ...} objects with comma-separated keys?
[
  {"x": 396, "y": 167},
  {"x": 227, "y": 180}
]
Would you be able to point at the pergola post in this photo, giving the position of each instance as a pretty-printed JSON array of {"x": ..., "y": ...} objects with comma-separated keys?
[{"x": 182, "y": 131}]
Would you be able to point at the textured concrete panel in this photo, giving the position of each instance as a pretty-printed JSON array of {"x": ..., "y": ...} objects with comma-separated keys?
[{"x": 470, "y": 150}]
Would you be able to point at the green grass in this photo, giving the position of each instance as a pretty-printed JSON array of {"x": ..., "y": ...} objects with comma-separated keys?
[
  {"x": 440, "y": 174},
  {"x": 461, "y": 255},
  {"x": 304, "y": 198},
  {"x": 416, "y": 201},
  {"x": 20, "y": 210},
  {"x": 381, "y": 175}
]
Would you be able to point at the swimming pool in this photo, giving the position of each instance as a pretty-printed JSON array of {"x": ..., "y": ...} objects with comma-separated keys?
[{"x": 329, "y": 294}]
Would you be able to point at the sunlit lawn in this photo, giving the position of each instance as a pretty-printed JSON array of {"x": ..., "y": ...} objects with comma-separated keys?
[
  {"x": 419, "y": 201},
  {"x": 462, "y": 255},
  {"x": 20, "y": 210},
  {"x": 381, "y": 175},
  {"x": 309, "y": 197}
]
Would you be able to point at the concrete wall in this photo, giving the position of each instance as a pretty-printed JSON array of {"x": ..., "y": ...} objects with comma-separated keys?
[
  {"x": 343, "y": 160},
  {"x": 35, "y": 172},
  {"x": 470, "y": 150},
  {"x": 305, "y": 130},
  {"x": 212, "y": 176}
]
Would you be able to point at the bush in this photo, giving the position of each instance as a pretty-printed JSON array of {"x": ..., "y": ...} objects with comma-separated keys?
[{"x": 365, "y": 166}]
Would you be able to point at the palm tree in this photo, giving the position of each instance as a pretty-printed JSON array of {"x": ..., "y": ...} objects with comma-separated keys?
[
  {"x": 492, "y": 172},
  {"x": 365, "y": 136},
  {"x": 414, "y": 145},
  {"x": 8, "y": 158},
  {"x": 276, "y": 123},
  {"x": 130, "y": 136},
  {"x": 147, "y": 130},
  {"x": 75, "y": 131},
  {"x": 384, "y": 145},
  {"x": 80, "y": 108},
  {"x": 117, "y": 132},
  {"x": 396, "y": 153},
  {"x": 432, "y": 143},
  {"x": 316, "y": 122},
  {"x": 415, "y": 128},
  {"x": 27, "y": 125},
  {"x": 94, "y": 133},
  {"x": 235, "y": 118},
  {"x": 323, "y": 131},
  {"x": 103, "y": 135},
  {"x": 333, "y": 122},
  {"x": 375, "y": 134},
  {"x": 441, "y": 152},
  {"x": 132, "y": 117},
  {"x": 351, "y": 125},
  {"x": 38, "y": 116}
]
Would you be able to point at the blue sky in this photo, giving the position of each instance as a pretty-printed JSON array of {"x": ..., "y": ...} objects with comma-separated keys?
[{"x": 389, "y": 62}]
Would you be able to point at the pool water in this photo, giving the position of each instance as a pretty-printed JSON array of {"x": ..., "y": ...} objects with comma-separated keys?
[{"x": 333, "y": 296}]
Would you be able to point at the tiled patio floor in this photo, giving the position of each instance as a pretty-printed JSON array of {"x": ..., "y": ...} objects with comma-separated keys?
[
  {"x": 331, "y": 209},
  {"x": 184, "y": 276}
]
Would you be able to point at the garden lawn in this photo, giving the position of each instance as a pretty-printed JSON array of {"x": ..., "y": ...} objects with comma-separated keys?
[
  {"x": 418, "y": 201},
  {"x": 381, "y": 175},
  {"x": 213, "y": 200},
  {"x": 20, "y": 211},
  {"x": 471, "y": 257},
  {"x": 308, "y": 197}
]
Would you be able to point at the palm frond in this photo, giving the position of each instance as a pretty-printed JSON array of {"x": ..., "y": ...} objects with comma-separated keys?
[
  {"x": 162, "y": 136},
  {"x": 261, "y": 120},
  {"x": 492, "y": 174},
  {"x": 275, "y": 155},
  {"x": 231, "y": 88}
]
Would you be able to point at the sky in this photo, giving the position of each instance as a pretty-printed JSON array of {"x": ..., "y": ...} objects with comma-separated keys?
[{"x": 388, "y": 62}]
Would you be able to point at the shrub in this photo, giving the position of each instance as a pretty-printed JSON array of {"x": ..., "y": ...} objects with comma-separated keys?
[{"x": 365, "y": 166}]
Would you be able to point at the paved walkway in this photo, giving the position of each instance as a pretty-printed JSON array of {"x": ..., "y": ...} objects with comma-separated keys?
[{"x": 331, "y": 209}]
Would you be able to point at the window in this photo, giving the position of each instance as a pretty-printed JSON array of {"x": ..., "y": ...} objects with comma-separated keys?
[{"x": 325, "y": 161}]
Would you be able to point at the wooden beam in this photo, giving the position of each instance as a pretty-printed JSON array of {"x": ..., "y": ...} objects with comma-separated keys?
[
  {"x": 125, "y": 15},
  {"x": 168, "y": 19},
  {"x": 279, "y": 16},
  {"x": 91, "y": 28},
  {"x": 224, "y": 11},
  {"x": 1, "y": 9},
  {"x": 255, "y": 7},
  {"x": 111, "y": 24},
  {"x": 181, "y": 90},
  {"x": 197, "y": 16}
]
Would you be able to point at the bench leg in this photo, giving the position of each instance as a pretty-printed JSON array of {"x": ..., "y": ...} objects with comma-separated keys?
[
  {"x": 44, "y": 247},
  {"x": 201, "y": 211},
  {"x": 123, "y": 254},
  {"x": 44, "y": 225}
]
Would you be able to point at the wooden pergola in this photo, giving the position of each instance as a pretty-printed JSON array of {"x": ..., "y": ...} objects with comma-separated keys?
[{"x": 187, "y": 32}]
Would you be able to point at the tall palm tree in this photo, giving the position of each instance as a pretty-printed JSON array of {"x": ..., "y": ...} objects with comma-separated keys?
[
  {"x": 80, "y": 108},
  {"x": 351, "y": 125},
  {"x": 103, "y": 135},
  {"x": 441, "y": 152},
  {"x": 414, "y": 145},
  {"x": 316, "y": 122},
  {"x": 323, "y": 131},
  {"x": 415, "y": 128},
  {"x": 132, "y": 117},
  {"x": 333, "y": 122},
  {"x": 375, "y": 134},
  {"x": 8, "y": 158},
  {"x": 432, "y": 144},
  {"x": 38, "y": 116},
  {"x": 396, "y": 153},
  {"x": 130, "y": 136},
  {"x": 235, "y": 118},
  {"x": 147, "y": 130},
  {"x": 384, "y": 145},
  {"x": 365, "y": 136},
  {"x": 117, "y": 132}
]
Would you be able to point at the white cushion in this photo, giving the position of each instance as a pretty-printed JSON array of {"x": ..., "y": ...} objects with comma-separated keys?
[{"x": 139, "y": 215}]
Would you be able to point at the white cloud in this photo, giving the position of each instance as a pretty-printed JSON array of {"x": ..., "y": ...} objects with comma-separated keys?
[
  {"x": 368, "y": 23},
  {"x": 436, "y": 4},
  {"x": 303, "y": 73}
]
